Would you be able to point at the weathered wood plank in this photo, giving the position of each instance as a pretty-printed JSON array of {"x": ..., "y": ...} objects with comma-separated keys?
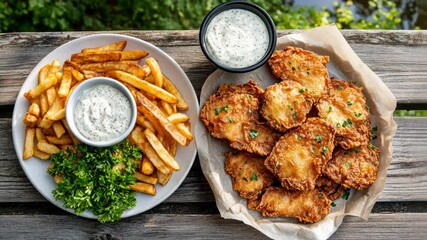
[
  {"x": 406, "y": 180},
  {"x": 209, "y": 226},
  {"x": 398, "y": 57}
]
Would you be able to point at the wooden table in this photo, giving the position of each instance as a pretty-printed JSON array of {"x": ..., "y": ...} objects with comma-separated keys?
[{"x": 398, "y": 57}]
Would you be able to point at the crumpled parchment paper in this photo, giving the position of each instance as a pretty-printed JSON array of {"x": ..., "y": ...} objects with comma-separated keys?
[{"x": 344, "y": 64}]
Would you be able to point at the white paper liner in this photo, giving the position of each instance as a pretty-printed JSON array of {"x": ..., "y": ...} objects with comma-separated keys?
[{"x": 344, "y": 64}]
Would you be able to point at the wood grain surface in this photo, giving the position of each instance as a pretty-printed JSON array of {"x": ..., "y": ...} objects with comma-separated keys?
[{"x": 398, "y": 57}]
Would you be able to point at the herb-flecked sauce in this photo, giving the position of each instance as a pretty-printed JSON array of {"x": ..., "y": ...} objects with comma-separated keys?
[
  {"x": 237, "y": 38},
  {"x": 102, "y": 113}
]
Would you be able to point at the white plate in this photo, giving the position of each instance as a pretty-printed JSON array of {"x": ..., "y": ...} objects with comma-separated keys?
[{"x": 36, "y": 169}]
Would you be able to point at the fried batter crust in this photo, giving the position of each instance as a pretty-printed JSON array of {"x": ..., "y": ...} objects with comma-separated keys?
[
  {"x": 285, "y": 105},
  {"x": 356, "y": 168},
  {"x": 299, "y": 156},
  {"x": 306, "y": 206},
  {"x": 345, "y": 110},
  {"x": 248, "y": 174},
  {"x": 332, "y": 190},
  {"x": 232, "y": 113},
  {"x": 305, "y": 67}
]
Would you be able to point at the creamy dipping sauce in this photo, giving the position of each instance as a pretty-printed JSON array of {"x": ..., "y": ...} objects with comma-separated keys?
[
  {"x": 102, "y": 113},
  {"x": 237, "y": 38}
]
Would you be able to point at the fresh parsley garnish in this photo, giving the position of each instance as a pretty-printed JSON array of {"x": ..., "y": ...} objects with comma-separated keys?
[
  {"x": 254, "y": 177},
  {"x": 91, "y": 179},
  {"x": 253, "y": 133},
  {"x": 346, "y": 194}
]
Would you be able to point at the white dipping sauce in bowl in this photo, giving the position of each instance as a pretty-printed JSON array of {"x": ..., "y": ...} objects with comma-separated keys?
[
  {"x": 102, "y": 113},
  {"x": 237, "y": 38}
]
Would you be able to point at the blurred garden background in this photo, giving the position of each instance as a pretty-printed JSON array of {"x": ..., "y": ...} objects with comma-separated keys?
[{"x": 102, "y": 15}]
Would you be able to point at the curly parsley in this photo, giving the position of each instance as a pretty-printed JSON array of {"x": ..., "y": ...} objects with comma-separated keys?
[{"x": 91, "y": 181}]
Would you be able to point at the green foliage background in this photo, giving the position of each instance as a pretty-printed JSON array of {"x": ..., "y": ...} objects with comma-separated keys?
[{"x": 68, "y": 15}]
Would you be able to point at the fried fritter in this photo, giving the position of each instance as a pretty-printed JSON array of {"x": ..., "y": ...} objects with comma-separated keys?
[
  {"x": 253, "y": 203},
  {"x": 232, "y": 113},
  {"x": 305, "y": 67},
  {"x": 328, "y": 187},
  {"x": 299, "y": 156},
  {"x": 345, "y": 109},
  {"x": 306, "y": 206},
  {"x": 248, "y": 174},
  {"x": 285, "y": 105},
  {"x": 356, "y": 168}
]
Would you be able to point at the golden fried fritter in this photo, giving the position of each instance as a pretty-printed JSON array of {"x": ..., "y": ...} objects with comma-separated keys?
[
  {"x": 328, "y": 187},
  {"x": 305, "y": 67},
  {"x": 232, "y": 113},
  {"x": 253, "y": 203},
  {"x": 299, "y": 156},
  {"x": 345, "y": 109},
  {"x": 306, "y": 206},
  {"x": 356, "y": 168},
  {"x": 248, "y": 174},
  {"x": 285, "y": 105}
]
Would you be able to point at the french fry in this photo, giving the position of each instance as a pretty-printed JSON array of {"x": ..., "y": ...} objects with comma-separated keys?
[
  {"x": 29, "y": 143},
  {"x": 57, "y": 105},
  {"x": 170, "y": 87},
  {"x": 30, "y": 120},
  {"x": 133, "y": 54},
  {"x": 117, "y": 46},
  {"x": 34, "y": 110},
  {"x": 126, "y": 66},
  {"x": 184, "y": 130},
  {"x": 59, "y": 130},
  {"x": 96, "y": 56},
  {"x": 50, "y": 81},
  {"x": 144, "y": 188},
  {"x": 75, "y": 140},
  {"x": 57, "y": 116},
  {"x": 178, "y": 118},
  {"x": 55, "y": 66},
  {"x": 44, "y": 105},
  {"x": 65, "y": 86},
  {"x": 58, "y": 178},
  {"x": 64, "y": 140},
  {"x": 39, "y": 154},
  {"x": 161, "y": 151},
  {"x": 137, "y": 136},
  {"x": 143, "y": 85},
  {"x": 149, "y": 108},
  {"x": 43, "y": 73},
  {"x": 39, "y": 135},
  {"x": 154, "y": 157},
  {"x": 144, "y": 178},
  {"x": 141, "y": 121},
  {"x": 147, "y": 167},
  {"x": 163, "y": 178},
  {"x": 77, "y": 75},
  {"x": 71, "y": 65},
  {"x": 152, "y": 121},
  {"x": 68, "y": 146},
  {"x": 51, "y": 95},
  {"x": 168, "y": 142},
  {"x": 91, "y": 74},
  {"x": 155, "y": 71},
  {"x": 47, "y": 147},
  {"x": 48, "y": 131},
  {"x": 167, "y": 107}
]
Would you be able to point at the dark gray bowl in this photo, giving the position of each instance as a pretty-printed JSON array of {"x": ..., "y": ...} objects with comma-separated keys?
[{"x": 271, "y": 28}]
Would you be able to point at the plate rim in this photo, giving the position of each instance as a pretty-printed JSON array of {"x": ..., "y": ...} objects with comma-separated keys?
[{"x": 17, "y": 142}]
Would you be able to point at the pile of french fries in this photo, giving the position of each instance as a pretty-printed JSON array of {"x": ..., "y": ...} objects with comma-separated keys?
[{"x": 160, "y": 127}]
